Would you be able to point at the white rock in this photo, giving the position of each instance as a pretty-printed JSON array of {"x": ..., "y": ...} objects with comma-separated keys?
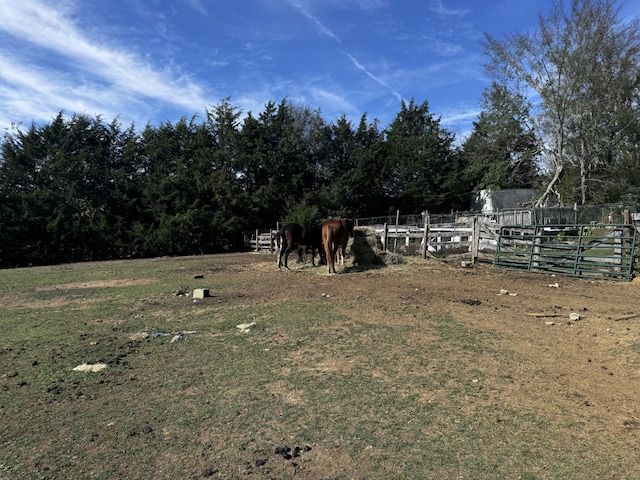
[{"x": 90, "y": 367}]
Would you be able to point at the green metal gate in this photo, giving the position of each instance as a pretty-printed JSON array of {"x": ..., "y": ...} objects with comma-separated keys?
[{"x": 586, "y": 251}]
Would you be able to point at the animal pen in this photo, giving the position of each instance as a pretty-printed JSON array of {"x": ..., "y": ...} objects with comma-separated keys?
[{"x": 537, "y": 240}]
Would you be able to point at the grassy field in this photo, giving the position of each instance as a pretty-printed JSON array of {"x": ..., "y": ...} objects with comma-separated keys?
[{"x": 313, "y": 389}]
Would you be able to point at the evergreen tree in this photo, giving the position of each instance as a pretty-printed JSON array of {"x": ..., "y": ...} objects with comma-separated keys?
[
  {"x": 501, "y": 151},
  {"x": 422, "y": 163}
]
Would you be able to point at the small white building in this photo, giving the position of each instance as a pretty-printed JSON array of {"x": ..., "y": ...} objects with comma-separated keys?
[{"x": 488, "y": 201}]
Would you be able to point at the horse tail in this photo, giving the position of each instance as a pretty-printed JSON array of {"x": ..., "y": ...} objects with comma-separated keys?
[{"x": 278, "y": 242}]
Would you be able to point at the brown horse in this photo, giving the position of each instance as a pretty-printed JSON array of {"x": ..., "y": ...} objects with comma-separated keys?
[
  {"x": 335, "y": 235},
  {"x": 348, "y": 223}
]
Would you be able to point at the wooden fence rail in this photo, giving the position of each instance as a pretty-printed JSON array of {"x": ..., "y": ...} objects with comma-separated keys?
[
  {"x": 587, "y": 251},
  {"x": 263, "y": 241},
  {"x": 469, "y": 237}
]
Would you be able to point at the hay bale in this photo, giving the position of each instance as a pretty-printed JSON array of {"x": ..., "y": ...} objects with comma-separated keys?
[{"x": 366, "y": 247}]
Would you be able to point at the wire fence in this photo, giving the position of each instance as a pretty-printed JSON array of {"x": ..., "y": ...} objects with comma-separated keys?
[{"x": 583, "y": 214}]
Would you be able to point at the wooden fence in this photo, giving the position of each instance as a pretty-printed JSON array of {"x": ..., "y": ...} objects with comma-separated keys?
[
  {"x": 262, "y": 241},
  {"x": 581, "y": 250},
  {"x": 468, "y": 236}
]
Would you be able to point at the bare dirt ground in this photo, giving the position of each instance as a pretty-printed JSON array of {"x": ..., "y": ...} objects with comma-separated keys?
[{"x": 590, "y": 366}]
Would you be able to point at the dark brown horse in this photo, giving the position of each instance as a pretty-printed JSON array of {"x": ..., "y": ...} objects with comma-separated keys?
[
  {"x": 335, "y": 235},
  {"x": 313, "y": 238},
  {"x": 293, "y": 236}
]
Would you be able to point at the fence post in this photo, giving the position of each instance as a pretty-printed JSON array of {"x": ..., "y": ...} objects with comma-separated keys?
[
  {"x": 425, "y": 238},
  {"x": 626, "y": 232},
  {"x": 257, "y": 240},
  {"x": 385, "y": 237},
  {"x": 475, "y": 239},
  {"x": 536, "y": 242}
]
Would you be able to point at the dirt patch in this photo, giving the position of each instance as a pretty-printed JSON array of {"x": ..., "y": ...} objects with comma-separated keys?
[
  {"x": 590, "y": 364},
  {"x": 100, "y": 284},
  {"x": 32, "y": 299}
]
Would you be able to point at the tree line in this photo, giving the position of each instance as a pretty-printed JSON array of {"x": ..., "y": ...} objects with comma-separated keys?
[{"x": 79, "y": 188}]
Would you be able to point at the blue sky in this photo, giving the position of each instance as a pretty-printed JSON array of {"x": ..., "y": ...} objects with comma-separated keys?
[{"x": 153, "y": 61}]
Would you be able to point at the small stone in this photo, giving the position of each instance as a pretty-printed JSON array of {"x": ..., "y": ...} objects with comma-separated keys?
[{"x": 86, "y": 367}]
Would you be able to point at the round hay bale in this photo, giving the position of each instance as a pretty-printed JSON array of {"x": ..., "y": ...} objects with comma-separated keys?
[{"x": 366, "y": 247}]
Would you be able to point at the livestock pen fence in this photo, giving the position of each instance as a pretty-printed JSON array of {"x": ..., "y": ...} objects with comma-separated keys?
[
  {"x": 555, "y": 237},
  {"x": 604, "y": 251},
  {"x": 473, "y": 235}
]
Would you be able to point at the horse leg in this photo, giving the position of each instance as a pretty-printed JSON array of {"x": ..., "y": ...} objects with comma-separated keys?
[
  {"x": 323, "y": 255},
  {"x": 313, "y": 255},
  {"x": 279, "y": 250},
  {"x": 286, "y": 257},
  {"x": 329, "y": 256},
  {"x": 334, "y": 251},
  {"x": 280, "y": 253}
]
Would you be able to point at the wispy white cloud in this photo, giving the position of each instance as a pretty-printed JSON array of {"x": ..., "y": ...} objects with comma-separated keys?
[
  {"x": 442, "y": 48},
  {"x": 334, "y": 103},
  {"x": 198, "y": 6},
  {"x": 375, "y": 78},
  {"x": 148, "y": 61},
  {"x": 326, "y": 31},
  {"x": 370, "y": 5},
  {"x": 307, "y": 14},
  {"x": 438, "y": 7},
  {"x": 87, "y": 72},
  {"x": 460, "y": 114},
  {"x": 458, "y": 119}
]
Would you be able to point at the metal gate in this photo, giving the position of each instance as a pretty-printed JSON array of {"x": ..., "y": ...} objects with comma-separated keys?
[{"x": 586, "y": 251}]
